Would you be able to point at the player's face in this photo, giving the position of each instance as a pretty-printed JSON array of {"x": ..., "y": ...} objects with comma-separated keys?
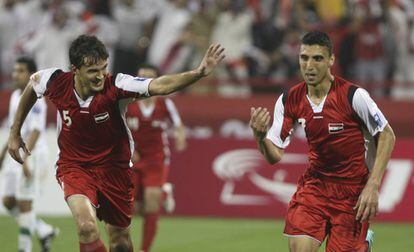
[
  {"x": 20, "y": 75},
  {"x": 315, "y": 63},
  {"x": 93, "y": 76}
]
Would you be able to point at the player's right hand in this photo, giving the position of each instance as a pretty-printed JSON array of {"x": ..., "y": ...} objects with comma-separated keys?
[
  {"x": 16, "y": 143},
  {"x": 259, "y": 122}
]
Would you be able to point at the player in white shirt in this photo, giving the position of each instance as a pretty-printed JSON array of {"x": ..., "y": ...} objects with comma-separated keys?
[{"x": 19, "y": 181}]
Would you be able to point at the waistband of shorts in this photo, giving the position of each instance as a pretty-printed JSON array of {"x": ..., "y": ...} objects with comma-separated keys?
[{"x": 339, "y": 180}]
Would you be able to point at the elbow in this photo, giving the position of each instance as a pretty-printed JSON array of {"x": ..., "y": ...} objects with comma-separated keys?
[{"x": 273, "y": 159}]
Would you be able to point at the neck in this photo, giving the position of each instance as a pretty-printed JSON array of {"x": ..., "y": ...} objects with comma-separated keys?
[
  {"x": 82, "y": 90},
  {"x": 321, "y": 89}
]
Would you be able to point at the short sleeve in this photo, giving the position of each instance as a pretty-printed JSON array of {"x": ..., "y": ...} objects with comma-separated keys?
[
  {"x": 282, "y": 127},
  {"x": 131, "y": 87},
  {"x": 40, "y": 79},
  {"x": 172, "y": 110},
  {"x": 368, "y": 111}
]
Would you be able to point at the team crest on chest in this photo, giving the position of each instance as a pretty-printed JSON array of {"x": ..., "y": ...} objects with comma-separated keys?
[
  {"x": 102, "y": 117},
  {"x": 335, "y": 128}
]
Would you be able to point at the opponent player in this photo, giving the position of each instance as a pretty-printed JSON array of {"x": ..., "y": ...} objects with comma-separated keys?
[
  {"x": 338, "y": 193},
  {"x": 95, "y": 144},
  {"x": 149, "y": 119},
  {"x": 19, "y": 185}
]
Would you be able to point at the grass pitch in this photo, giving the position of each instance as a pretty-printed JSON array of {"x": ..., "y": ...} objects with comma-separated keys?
[{"x": 209, "y": 235}]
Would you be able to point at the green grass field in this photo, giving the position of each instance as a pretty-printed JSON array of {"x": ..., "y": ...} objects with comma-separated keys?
[{"x": 211, "y": 235}]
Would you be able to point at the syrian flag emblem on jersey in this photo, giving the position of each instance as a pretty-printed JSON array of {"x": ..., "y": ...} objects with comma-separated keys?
[
  {"x": 335, "y": 127},
  {"x": 100, "y": 118}
]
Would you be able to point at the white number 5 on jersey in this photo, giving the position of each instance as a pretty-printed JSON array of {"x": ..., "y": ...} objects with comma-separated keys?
[{"x": 66, "y": 118}]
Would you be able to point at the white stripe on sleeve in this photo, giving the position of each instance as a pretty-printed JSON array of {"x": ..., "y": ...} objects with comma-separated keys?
[
  {"x": 175, "y": 117},
  {"x": 274, "y": 133},
  {"x": 39, "y": 80},
  {"x": 368, "y": 111},
  {"x": 129, "y": 83}
]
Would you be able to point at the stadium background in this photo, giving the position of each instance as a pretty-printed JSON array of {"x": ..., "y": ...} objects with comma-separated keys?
[{"x": 228, "y": 198}]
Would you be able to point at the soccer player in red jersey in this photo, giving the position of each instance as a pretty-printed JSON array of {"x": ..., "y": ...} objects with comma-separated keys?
[
  {"x": 350, "y": 143},
  {"x": 95, "y": 146},
  {"x": 149, "y": 119}
]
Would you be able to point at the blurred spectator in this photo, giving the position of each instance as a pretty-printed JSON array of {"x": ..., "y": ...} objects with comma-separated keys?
[
  {"x": 401, "y": 20},
  {"x": 166, "y": 51},
  {"x": 133, "y": 17},
  {"x": 101, "y": 24},
  {"x": 53, "y": 52},
  {"x": 8, "y": 35},
  {"x": 233, "y": 32},
  {"x": 370, "y": 65}
]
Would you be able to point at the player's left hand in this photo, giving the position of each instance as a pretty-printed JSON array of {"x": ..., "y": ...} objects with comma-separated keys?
[
  {"x": 16, "y": 143},
  {"x": 213, "y": 56},
  {"x": 367, "y": 205}
]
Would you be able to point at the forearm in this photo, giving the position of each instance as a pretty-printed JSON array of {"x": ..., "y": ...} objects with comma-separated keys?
[
  {"x": 179, "y": 134},
  {"x": 168, "y": 84},
  {"x": 27, "y": 101},
  {"x": 31, "y": 142},
  {"x": 272, "y": 153},
  {"x": 386, "y": 143}
]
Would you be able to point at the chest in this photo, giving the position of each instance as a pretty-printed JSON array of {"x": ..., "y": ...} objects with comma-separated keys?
[
  {"x": 330, "y": 118},
  {"x": 91, "y": 113}
]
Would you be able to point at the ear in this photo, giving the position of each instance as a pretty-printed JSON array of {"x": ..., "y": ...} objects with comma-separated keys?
[
  {"x": 73, "y": 68},
  {"x": 331, "y": 60}
]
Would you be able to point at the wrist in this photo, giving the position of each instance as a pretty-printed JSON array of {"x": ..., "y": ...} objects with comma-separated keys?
[{"x": 374, "y": 183}]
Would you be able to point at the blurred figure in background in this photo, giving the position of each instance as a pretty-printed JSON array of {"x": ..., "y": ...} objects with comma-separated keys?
[
  {"x": 135, "y": 19},
  {"x": 233, "y": 31},
  {"x": 8, "y": 35},
  {"x": 21, "y": 181},
  {"x": 149, "y": 120},
  {"x": 166, "y": 51}
]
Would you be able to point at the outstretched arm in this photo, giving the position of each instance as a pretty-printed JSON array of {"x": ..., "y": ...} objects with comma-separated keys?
[
  {"x": 15, "y": 141},
  {"x": 260, "y": 123},
  {"x": 168, "y": 84}
]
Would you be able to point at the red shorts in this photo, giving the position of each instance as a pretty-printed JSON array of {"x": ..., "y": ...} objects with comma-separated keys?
[
  {"x": 149, "y": 174},
  {"x": 323, "y": 208},
  {"x": 110, "y": 190}
]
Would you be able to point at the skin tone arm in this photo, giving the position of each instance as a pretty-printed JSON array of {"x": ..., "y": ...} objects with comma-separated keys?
[
  {"x": 15, "y": 141},
  {"x": 367, "y": 205},
  {"x": 260, "y": 124},
  {"x": 31, "y": 143},
  {"x": 3, "y": 155},
  {"x": 168, "y": 84},
  {"x": 180, "y": 138}
]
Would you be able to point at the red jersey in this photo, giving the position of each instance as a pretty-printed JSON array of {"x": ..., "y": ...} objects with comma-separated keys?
[
  {"x": 91, "y": 132},
  {"x": 149, "y": 127},
  {"x": 339, "y": 130}
]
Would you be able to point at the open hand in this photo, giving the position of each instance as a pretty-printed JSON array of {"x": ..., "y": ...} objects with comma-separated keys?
[
  {"x": 259, "y": 122},
  {"x": 213, "y": 56},
  {"x": 367, "y": 205}
]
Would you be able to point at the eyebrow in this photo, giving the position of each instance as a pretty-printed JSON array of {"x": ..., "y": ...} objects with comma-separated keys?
[{"x": 96, "y": 68}]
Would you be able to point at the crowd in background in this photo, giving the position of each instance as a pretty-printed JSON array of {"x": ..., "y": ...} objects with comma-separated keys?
[{"x": 373, "y": 39}]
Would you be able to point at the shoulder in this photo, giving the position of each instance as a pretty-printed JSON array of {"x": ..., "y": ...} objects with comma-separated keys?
[
  {"x": 294, "y": 94},
  {"x": 346, "y": 88}
]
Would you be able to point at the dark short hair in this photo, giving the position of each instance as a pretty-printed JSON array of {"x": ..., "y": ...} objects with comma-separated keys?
[
  {"x": 29, "y": 62},
  {"x": 149, "y": 66},
  {"x": 86, "y": 46},
  {"x": 318, "y": 38}
]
